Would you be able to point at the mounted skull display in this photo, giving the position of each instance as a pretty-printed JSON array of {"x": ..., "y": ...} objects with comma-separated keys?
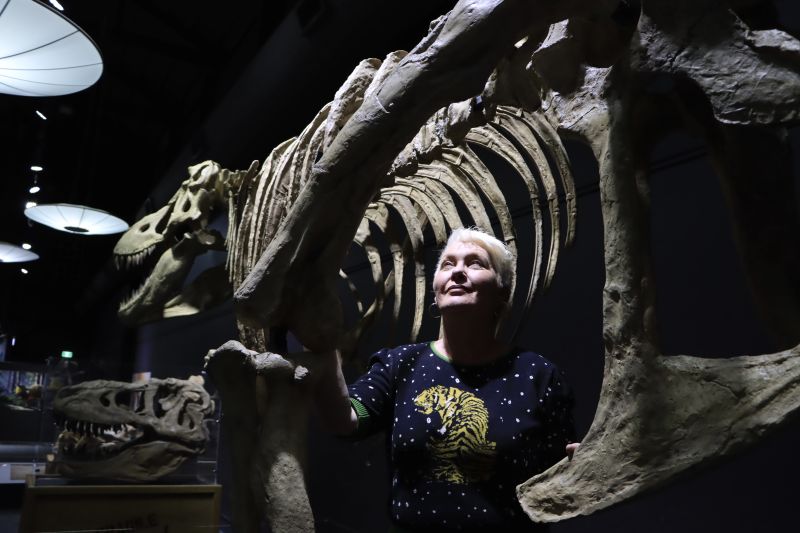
[
  {"x": 381, "y": 162},
  {"x": 130, "y": 431},
  {"x": 166, "y": 243}
]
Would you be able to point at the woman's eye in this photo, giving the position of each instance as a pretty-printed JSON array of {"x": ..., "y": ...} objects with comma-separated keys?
[
  {"x": 446, "y": 264},
  {"x": 476, "y": 264}
]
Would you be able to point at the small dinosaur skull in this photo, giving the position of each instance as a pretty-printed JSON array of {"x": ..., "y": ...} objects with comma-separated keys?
[{"x": 130, "y": 431}]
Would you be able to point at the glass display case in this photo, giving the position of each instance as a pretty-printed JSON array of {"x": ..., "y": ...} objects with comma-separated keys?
[
  {"x": 30, "y": 431},
  {"x": 56, "y": 499}
]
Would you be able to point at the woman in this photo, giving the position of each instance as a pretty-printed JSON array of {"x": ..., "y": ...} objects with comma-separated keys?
[{"x": 467, "y": 416}]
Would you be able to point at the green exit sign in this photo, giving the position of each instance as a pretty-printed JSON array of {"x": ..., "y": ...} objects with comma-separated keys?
[{"x": 66, "y": 354}]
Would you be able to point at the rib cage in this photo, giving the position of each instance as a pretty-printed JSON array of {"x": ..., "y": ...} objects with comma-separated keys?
[{"x": 412, "y": 203}]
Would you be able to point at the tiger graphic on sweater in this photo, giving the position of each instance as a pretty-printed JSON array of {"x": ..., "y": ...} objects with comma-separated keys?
[{"x": 460, "y": 451}]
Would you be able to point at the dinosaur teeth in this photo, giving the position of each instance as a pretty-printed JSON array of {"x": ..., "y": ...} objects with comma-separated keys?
[
  {"x": 134, "y": 294},
  {"x": 128, "y": 261},
  {"x": 79, "y": 430},
  {"x": 131, "y": 261}
]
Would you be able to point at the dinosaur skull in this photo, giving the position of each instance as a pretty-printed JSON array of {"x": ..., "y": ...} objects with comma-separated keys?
[
  {"x": 139, "y": 431},
  {"x": 175, "y": 234}
]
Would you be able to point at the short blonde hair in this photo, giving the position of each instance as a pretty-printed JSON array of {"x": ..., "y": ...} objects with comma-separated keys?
[{"x": 501, "y": 257}]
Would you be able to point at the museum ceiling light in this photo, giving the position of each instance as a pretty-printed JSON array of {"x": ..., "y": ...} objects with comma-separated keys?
[
  {"x": 76, "y": 219},
  {"x": 43, "y": 53},
  {"x": 37, "y": 168},
  {"x": 11, "y": 253}
]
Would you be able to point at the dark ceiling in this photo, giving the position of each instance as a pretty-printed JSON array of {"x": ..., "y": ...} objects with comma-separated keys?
[{"x": 167, "y": 67}]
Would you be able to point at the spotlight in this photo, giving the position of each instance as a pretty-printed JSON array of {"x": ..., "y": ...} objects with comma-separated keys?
[
  {"x": 36, "y": 168},
  {"x": 26, "y": 246},
  {"x": 23, "y": 270},
  {"x": 34, "y": 189},
  {"x": 41, "y": 115},
  {"x": 28, "y": 205}
]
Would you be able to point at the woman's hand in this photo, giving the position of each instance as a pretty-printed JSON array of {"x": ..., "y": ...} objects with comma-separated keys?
[{"x": 571, "y": 447}]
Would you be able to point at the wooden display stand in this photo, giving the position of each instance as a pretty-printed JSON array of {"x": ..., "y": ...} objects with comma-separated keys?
[{"x": 151, "y": 508}]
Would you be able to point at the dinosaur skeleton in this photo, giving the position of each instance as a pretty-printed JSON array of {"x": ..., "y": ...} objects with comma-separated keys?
[
  {"x": 399, "y": 130},
  {"x": 437, "y": 165},
  {"x": 420, "y": 191},
  {"x": 133, "y": 432}
]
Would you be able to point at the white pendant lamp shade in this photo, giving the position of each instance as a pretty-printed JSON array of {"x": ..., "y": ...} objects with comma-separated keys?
[
  {"x": 10, "y": 253},
  {"x": 76, "y": 219},
  {"x": 43, "y": 53}
]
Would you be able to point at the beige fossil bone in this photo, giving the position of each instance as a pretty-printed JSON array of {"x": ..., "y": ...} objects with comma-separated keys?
[
  {"x": 660, "y": 415},
  {"x": 269, "y": 398}
]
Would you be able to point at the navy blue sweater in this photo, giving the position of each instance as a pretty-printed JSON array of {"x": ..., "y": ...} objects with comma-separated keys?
[{"x": 462, "y": 437}]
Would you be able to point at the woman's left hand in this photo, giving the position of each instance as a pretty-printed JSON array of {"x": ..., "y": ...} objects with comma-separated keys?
[{"x": 571, "y": 447}]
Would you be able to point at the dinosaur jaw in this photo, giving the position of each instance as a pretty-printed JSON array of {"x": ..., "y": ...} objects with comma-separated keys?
[
  {"x": 103, "y": 443},
  {"x": 162, "y": 293},
  {"x": 124, "y": 451}
]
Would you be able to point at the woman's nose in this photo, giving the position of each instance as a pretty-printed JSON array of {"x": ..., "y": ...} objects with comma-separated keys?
[{"x": 457, "y": 271}]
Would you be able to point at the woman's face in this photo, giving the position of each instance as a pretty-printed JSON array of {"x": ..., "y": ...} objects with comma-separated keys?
[{"x": 466, "y": 278}]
